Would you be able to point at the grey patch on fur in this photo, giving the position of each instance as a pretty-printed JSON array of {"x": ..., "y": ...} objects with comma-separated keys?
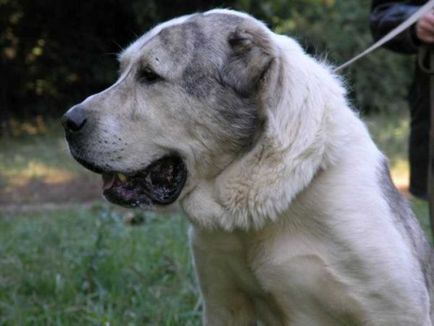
[
  {"x": 199, "y": 75},
  {"x": 203, "y": 41},
  {"x": 407, "y": 224}
]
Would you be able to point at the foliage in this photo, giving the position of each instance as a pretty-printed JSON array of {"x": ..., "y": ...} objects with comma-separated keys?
[
  {"x": 55, "y": 53},
  {"x": 335, "y": 31}
]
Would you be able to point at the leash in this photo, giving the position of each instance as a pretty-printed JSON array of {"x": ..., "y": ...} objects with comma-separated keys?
[{"x": 394, "y": 32}]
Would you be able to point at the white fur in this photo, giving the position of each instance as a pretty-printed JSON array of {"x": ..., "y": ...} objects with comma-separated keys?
[{"x": 297, "y": 231}]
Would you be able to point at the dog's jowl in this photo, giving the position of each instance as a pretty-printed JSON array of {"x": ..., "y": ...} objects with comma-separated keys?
[{"x": 294, "y": 219}]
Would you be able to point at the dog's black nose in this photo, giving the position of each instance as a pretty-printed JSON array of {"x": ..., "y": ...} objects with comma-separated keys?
[{"x": 74, "y": 119}]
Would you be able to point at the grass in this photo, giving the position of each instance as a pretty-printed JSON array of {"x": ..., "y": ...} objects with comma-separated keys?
[
  {"x": 87, "y": 267},
  {"x": 33, "y": 155},
  {"x": 390, "y": 132},
  {"x": 41, "y": 156},
  {"x": 38, "y": 168}
]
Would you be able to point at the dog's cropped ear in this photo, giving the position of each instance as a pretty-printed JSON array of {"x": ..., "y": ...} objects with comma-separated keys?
[{"x": 251, "y": 54}]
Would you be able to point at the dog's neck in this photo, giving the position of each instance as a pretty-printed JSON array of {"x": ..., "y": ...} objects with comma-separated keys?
[{"x": 260, "y": 186}]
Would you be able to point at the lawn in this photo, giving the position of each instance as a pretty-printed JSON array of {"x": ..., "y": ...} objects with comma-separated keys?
[
  {"x": 93, "y": 264},
  {"x": 89, "y": 267},
  {"x": 37, "y": 168}
]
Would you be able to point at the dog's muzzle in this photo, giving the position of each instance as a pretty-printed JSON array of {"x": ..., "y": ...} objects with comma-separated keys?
[{"x": 160, "y": 182}]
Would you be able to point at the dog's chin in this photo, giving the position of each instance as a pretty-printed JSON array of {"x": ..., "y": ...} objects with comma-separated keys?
[{"x": 160, "y": 183}]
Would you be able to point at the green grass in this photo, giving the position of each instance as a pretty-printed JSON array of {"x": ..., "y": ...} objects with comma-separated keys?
[
  {"x": 87, "y": 267},
  {"x": 35, "y": 168},
  {"x": 420, "y": 208},
  {"x": 48, "y": 149},
  {"x": 390, "y": 132},
  {"x": 44, "y": 157}
]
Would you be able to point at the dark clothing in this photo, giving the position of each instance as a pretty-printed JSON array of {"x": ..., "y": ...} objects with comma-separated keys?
[{"x": 384, "y": 16}]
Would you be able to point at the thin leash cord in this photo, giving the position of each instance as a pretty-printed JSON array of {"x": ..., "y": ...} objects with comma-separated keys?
[{"x": 399, "y": 29}]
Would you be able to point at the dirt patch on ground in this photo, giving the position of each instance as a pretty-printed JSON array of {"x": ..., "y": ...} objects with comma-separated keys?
[{"x": 77, "y": 190}]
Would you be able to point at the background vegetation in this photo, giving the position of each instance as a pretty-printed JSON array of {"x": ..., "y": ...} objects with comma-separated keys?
[
  {"x": 68, "y": 258},
  {"x": 84, "y": 266},
  {"x": 55, "y": 53}
]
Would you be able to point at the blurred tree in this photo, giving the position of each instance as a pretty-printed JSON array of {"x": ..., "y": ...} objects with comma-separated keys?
[
  {"x": 335, "y": 31},
  {"x": 54, "y": 53}
]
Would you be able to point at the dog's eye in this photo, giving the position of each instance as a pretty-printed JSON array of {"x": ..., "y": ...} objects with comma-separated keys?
[{"x": 147, "y": 75}]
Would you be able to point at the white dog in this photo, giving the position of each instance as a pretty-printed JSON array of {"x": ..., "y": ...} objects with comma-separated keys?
[{"x": 294, "y": 217}]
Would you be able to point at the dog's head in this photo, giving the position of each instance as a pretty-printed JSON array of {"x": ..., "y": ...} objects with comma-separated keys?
[{"x": 186, "y": 104}]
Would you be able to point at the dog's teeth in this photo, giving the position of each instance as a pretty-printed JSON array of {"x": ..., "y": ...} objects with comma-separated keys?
[
  {"x": 148, "y": 179},
  {"x": 122, "y": 177}
]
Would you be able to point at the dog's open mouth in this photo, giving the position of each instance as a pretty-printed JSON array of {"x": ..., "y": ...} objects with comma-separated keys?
[{"x": 160, "y": 183}]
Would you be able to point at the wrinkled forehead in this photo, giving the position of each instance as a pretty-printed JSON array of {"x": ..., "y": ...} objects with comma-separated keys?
[{"x": 184, "y": 30}]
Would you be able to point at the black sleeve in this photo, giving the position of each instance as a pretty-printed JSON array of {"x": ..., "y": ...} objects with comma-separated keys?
[{"x": 386, "y": 15}]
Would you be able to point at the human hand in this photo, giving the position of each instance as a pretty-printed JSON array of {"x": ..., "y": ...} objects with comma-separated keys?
[{"x": 425, "y": 28}]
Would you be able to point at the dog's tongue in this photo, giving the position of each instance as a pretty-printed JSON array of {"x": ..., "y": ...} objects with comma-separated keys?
[{"x": 108, "y": 180}]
